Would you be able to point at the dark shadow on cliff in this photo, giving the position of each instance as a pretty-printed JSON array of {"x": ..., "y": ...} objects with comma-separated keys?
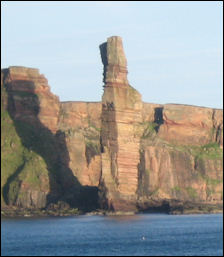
[
  {"x": 64, "y": 186},
  {"x": 103, "y": 54},
  {"x": 158, "y": 117},
  {"x": 143, "y": 176},
  {"x": 154, "y": 206}
]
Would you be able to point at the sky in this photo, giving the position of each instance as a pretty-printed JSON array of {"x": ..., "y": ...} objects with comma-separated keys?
[{"x": 174, "y": 49}]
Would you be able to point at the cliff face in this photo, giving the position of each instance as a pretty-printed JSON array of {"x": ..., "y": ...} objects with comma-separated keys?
[
  {"x": 137, "y": 155},
  {"x": 154, "y": 152},
  {"x": 47, "y": 145},
  {"x": 190, "y": 125},
  {"x": 80, "y": 122},
  {"x": 25, "y": 176},
  {"x": 31, "y": 97}
]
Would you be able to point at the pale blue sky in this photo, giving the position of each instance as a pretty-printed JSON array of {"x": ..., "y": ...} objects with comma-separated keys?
[{"x": 174, "y": 49}]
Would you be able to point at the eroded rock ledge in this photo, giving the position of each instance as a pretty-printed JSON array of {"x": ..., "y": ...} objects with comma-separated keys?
[{"x": 120, "y": 154}]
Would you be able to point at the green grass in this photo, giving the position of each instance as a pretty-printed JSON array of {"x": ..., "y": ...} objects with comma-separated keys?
[
  {"x": 91, "y": 125},
  {"x": 211, "y": 151},
  {"x": 11, "y": 146},
  {"x": 18, "y": 161},
  {"x": 149, "y": 129}
]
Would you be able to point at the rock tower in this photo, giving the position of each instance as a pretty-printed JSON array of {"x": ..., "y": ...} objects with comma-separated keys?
[{"x": 121, "y": 114}]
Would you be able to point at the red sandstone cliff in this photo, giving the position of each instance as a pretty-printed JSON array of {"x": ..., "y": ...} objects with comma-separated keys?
[
  {"x": 121, "y": 112},
  {"x": 138, "y": 154},
  {"x": 81, "y": 124},
  {"x": 24, "y": 85}
]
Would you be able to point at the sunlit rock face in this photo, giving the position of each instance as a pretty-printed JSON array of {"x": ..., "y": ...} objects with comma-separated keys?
[
  {"x": 80, "y": 123},
  {"x": 121, "y": 113},
  {"x": 32, "y": 98},
  {"x": 137, "y": 155},
  {"x": 191, "y": 125}
]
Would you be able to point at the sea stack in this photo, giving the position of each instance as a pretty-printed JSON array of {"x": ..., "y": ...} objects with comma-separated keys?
[{"x": 121, "y": 114}]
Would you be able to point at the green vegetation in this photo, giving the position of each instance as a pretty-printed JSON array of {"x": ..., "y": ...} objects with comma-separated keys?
[
  {"x": 212, "y": 133},
  {"x": 176, "y": 189},
  {"x": 18, "y": 161},
  {"x": 92, "y": 149},
  {"x": 191, "y": 192},
  {"x": 12, "y": 152},
  {"x": 211, "y": 181},
  {"x": 70, "y": 132},
  {"x": 149, "y": 129},
  {"x": 91, "y": 125},
  {"x": 211, "y": 185},
  {"x": 211, "y": 151},
  {"x": 93, "y": 145}
]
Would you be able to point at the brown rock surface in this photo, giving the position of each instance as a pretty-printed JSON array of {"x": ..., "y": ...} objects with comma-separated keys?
[
  {"x": 138, "y": 154},
  {"x": 169, "y": 173},
  {"x": 121, "y": 112},
  {"x": 217, "y": 130},
  {"x": 114, "y": 61},
  {"x": 184, "y": 124},
  {"x": 80, "y": 122},
  {"x": 31, "y": 96}
]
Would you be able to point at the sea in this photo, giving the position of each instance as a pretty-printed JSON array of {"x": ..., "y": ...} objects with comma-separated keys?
[{"x": 137, "y": 235}]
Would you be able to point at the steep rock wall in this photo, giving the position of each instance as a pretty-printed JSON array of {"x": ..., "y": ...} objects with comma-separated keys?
[
  {"x": 190, "y": 125},
  {"x": 24, "y": 173},
  {"x": 121, "y": 111},
  {"x": 137, "y": 154},
  {"x": 31, "y": 99},
  {"x": 58, "y": 155},
  {"x": 81, "y": 124}
]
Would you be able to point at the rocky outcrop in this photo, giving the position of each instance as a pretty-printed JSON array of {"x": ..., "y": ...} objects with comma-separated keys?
[
  {"x": 30, "y": 93},
  {"x": 80, "y": 122},
  {"x": 57, "y": 144},
  {"x": 24, "y": 174},
  {"x": 121, "y": 112},
  {"x": 190, "y": 125},
  {"x": 122, "y": 153}
]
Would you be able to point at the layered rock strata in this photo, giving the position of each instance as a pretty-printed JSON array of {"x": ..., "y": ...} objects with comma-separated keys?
[
  {"x": 59, "y": 140},
  {"x": 181, "y": 155},
  {"x": 81, "y": 124},
  {"x": 138, "y": 155},
  {"x": 25, "y": 179},
  {"x": 24, "y": 85},
  {"x": 121, "y": 112}
]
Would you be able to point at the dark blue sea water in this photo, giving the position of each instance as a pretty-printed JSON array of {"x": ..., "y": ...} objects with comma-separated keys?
[{"x": 143, "y": 234}]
